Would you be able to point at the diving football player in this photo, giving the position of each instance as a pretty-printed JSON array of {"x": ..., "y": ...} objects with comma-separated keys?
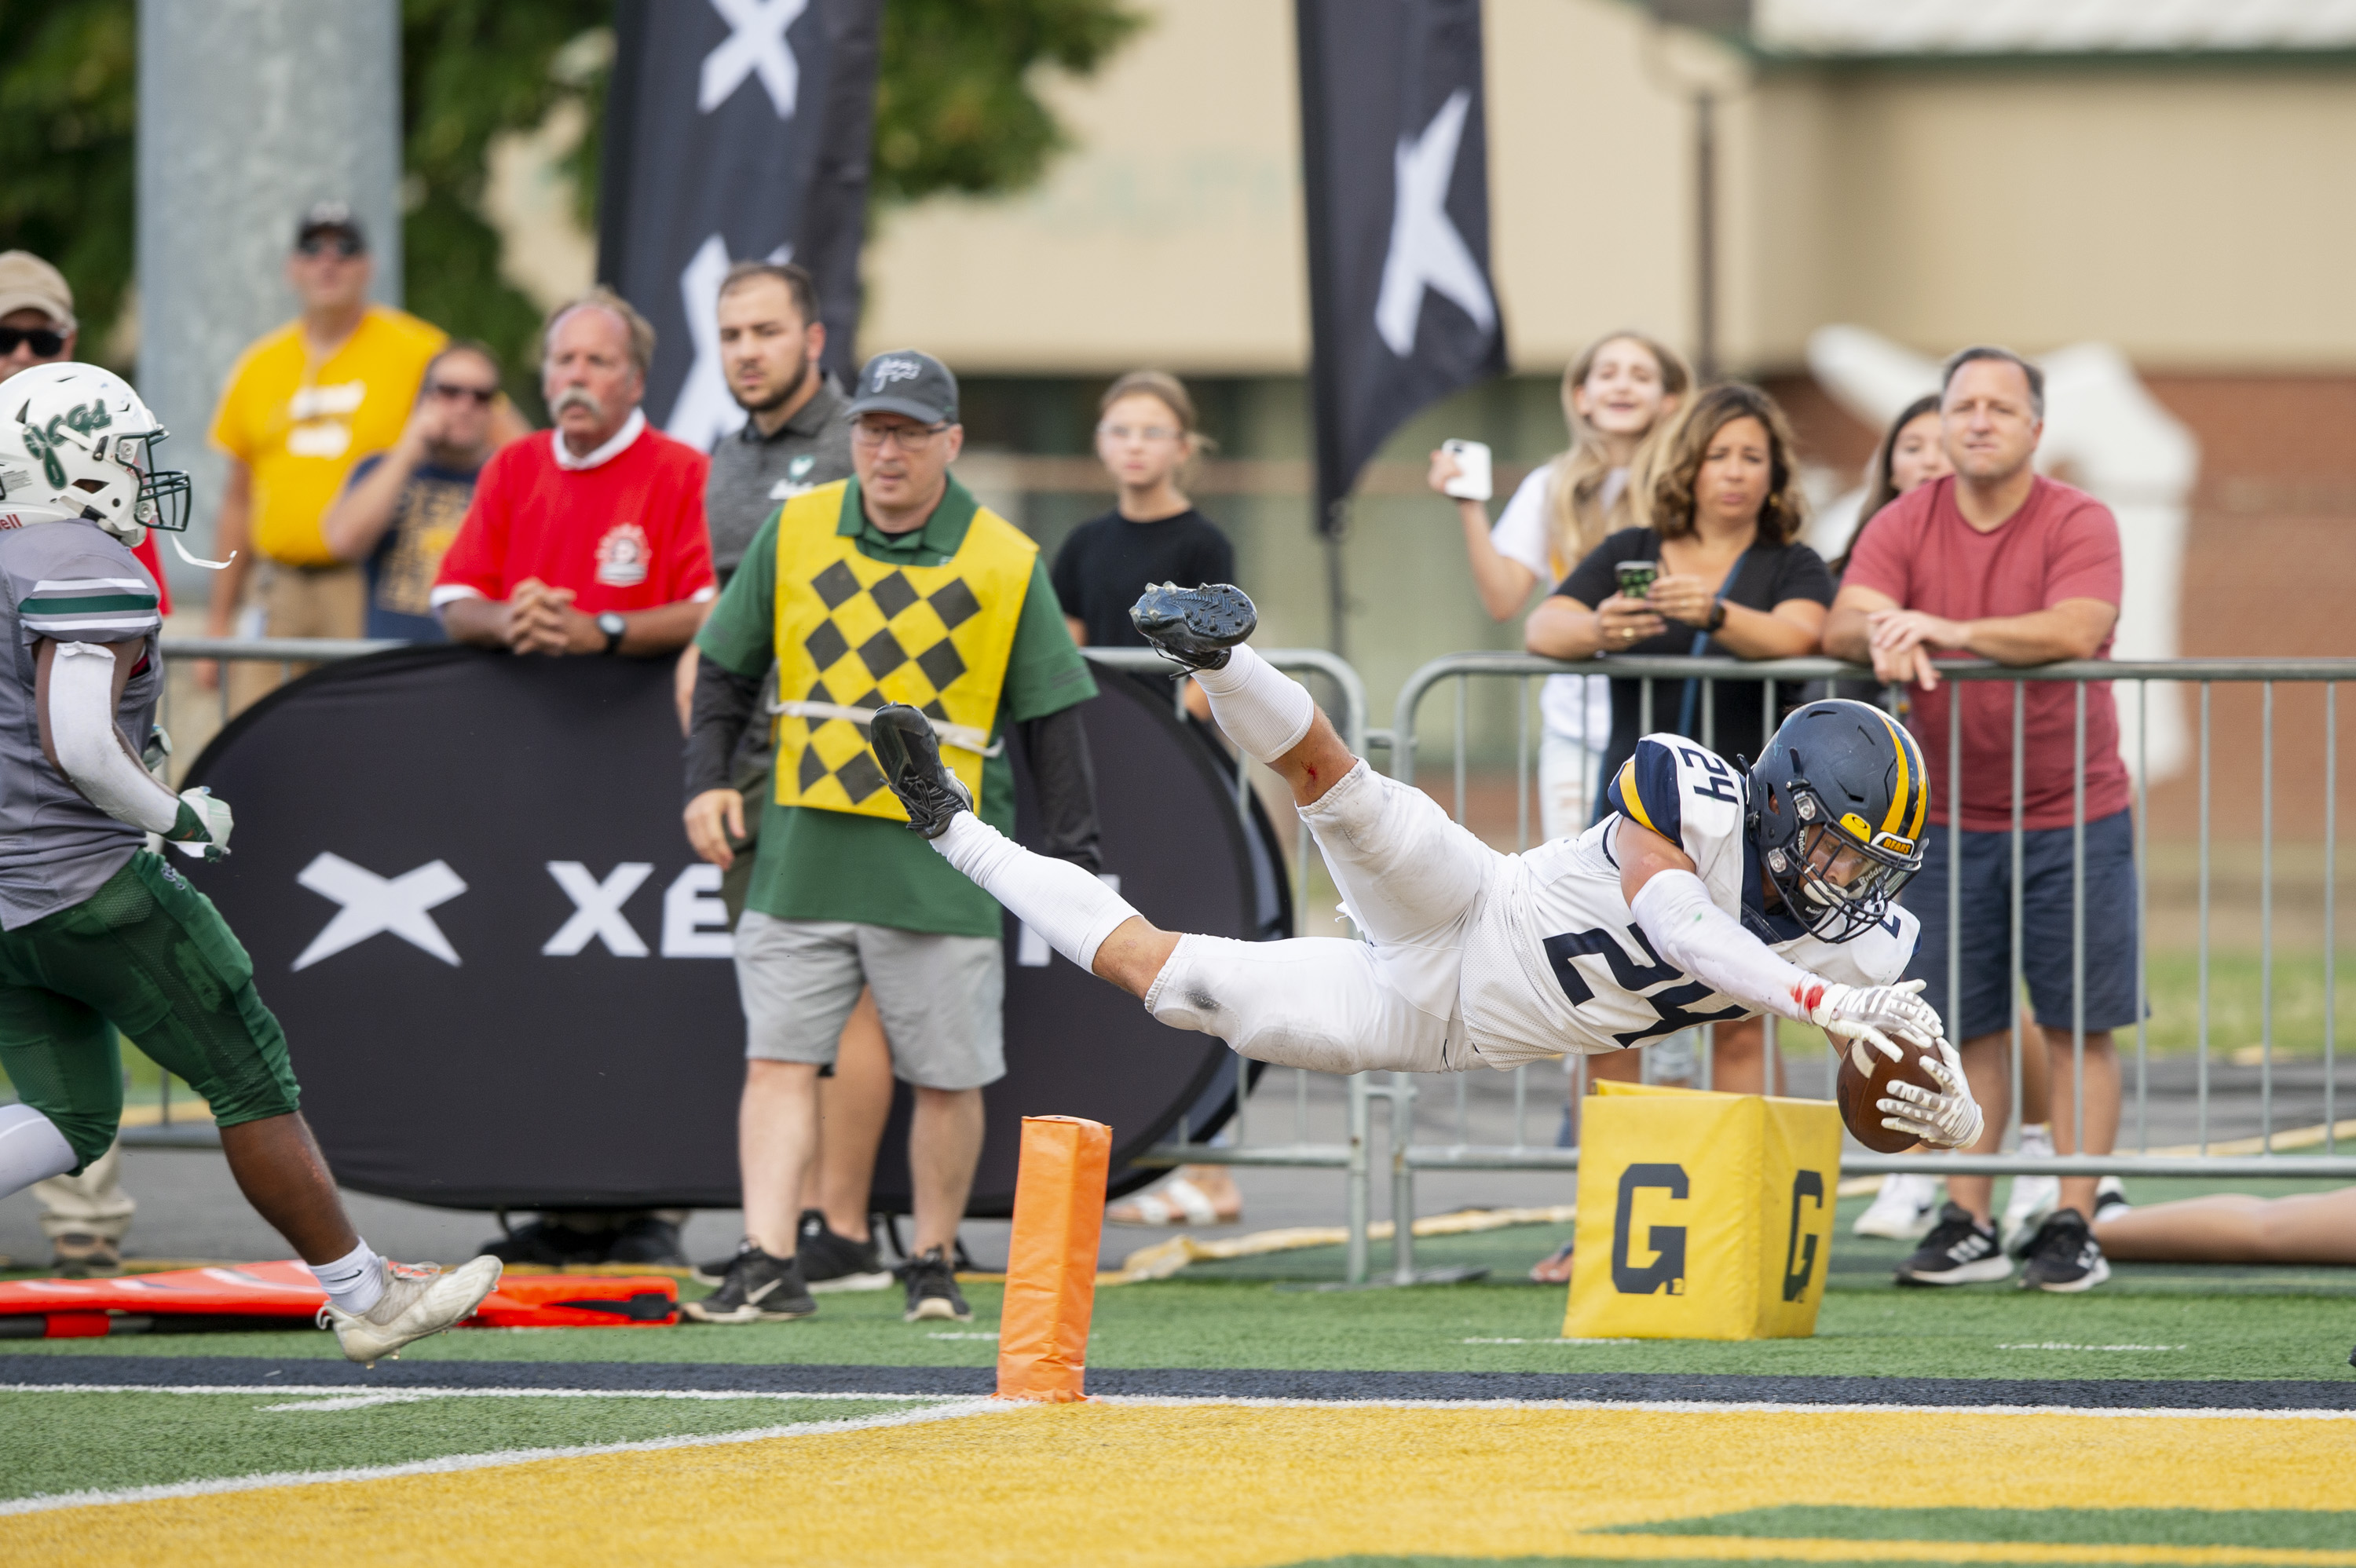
[{"x": 1706, "y": 894}]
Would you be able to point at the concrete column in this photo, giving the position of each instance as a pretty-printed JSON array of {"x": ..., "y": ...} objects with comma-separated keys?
[{"x": 249, "y": 112}]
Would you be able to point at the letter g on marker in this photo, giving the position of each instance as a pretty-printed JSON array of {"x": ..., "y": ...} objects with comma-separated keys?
[{"x": 1667, "y": 1269}]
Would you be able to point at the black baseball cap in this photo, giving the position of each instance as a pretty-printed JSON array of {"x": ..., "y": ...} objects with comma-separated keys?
[
  {"x": 330, "y": 218},
  {"x": 905, "y": 382}
]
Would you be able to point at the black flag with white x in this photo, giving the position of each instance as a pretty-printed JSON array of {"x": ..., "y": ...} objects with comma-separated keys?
[
  {"x": 734, "y": 130},
  {"x": 1397, "y": 179}
]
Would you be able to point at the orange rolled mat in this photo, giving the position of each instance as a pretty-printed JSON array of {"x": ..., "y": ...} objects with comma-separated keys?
[{"x": 1051, "y": 1259}]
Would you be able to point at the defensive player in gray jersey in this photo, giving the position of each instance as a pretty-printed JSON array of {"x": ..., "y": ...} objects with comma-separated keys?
[
  {"x": 1707, "y": 895},
  {"x": 95, "y": 929}
]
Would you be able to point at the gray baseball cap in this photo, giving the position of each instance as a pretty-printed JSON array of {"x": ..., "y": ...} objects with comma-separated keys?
[{"x": 905, "y": 382}]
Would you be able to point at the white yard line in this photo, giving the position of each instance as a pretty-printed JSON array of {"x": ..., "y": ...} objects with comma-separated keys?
[{"x": 948, "y": 1411}]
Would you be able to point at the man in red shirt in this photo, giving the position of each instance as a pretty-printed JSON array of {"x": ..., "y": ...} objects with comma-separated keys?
[
  {"x": 1998, "y": 562},
  {"x": 589, "y": 540}
]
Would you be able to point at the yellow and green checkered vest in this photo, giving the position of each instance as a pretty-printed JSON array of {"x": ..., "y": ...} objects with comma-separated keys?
[{"x": 854, "y": 633}]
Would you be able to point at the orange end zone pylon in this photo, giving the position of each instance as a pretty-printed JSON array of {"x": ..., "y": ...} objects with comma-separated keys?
[{"x": 1051, "y": 1259}]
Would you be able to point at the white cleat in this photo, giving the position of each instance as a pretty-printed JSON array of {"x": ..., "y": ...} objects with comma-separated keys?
[
  {"x": 419, "y": 1299},
  {"x": 1904, "y": 1210}
]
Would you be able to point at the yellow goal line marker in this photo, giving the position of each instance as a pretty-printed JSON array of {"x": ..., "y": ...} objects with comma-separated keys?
[
  {"x": 497, "y": 1460},
  {"x": 1726, "y": 1407},
  {"x": 1632, "y": 1545}
]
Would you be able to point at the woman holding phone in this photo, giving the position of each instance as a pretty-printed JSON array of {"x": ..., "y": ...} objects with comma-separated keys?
[{"x": 1614, "y": 396}]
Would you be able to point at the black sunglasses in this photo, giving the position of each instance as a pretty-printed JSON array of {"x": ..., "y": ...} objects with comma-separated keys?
[
  {"x": 343, "y": 245},
  {"x": 46, "y": 344},
  {"x": 482, "y": 395}
]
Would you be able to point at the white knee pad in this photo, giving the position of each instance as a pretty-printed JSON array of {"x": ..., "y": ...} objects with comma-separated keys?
[{"x": 31, "y": 1148}]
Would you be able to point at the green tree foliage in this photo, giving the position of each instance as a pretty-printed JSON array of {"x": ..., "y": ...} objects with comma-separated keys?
[{"x": 957, "y": 109}]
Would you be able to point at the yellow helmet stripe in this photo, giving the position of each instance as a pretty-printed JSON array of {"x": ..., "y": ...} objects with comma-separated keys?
[
  {"x": 1628, "y": 800},
  {"x": 1898, "y": 801},
  {"x": 1923, "y": 794}
]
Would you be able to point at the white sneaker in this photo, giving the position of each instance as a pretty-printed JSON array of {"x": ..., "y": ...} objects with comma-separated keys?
[
  {"x": 1903, "y": 1211},
  {"x": 419, "y": 1299},
  {"x": 2034, "y": 1198}
]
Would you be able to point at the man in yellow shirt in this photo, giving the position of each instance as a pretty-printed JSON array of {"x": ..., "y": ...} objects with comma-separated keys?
[{"x": 303, "y": 404}]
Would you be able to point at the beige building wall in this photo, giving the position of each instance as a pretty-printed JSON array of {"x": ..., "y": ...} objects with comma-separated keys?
[{"x": 2195, "y": 214}]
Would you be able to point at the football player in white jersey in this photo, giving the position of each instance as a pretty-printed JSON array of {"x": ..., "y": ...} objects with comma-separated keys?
[{"x": 1707, "y": 894}]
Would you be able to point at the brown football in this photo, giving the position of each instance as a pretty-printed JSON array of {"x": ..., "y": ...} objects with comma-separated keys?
[{"x": 1860, "y": 1096}]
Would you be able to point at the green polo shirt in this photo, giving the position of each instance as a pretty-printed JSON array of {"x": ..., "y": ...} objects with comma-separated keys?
[{"x": 834, "y": 864}]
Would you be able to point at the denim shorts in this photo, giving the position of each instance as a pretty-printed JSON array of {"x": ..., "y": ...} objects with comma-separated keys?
[{"x": 2046, "y": 922}]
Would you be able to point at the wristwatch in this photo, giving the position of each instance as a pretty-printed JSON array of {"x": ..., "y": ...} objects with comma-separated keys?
[
  {"x": 614, "y": 626},
  {"x": 1717, "y": 615}
]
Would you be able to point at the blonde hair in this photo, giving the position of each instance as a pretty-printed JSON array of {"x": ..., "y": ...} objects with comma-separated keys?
[
  {"x": 1664, "y": 477},
  {"x": 1172, "y": 395},
  {"x": 1575, "y": 518}
]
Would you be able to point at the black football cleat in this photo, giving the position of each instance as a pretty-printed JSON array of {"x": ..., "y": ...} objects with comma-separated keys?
[
  {"x": 1196, "y": 626},
  {"x": 910, "y": 759}
]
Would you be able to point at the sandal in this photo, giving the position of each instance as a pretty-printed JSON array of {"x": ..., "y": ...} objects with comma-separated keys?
[
  {"x": 1180, "y": 1202},
  {"x": 1554, "y": 1268}
]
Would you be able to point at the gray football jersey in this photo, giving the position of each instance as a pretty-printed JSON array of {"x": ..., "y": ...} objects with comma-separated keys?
[{"x": 70, "y": 583}]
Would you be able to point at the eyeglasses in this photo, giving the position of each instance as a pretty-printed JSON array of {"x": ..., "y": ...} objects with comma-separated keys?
[
  {"x": 45, "y": 344},
  {"x": 910, "y": 438},
  {"x": 343, "y": 245},
  {"x": 1148, "y": 433},
  {"x": 481, "y": 395}
]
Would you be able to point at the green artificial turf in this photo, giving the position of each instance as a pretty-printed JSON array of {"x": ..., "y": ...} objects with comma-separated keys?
[
  {"x": 2321, "y": 1530},
  {"x": 67, "y": 1442}
]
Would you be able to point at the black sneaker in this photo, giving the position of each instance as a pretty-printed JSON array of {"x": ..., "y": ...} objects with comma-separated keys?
[
  {"x": 758, "y": 1289},
  {"x": 831, "y": 1261},
  {"x": 2064, "y": 1255},
  {"x": 933, "y": 1291},
  {"x": 648, "y": 1238},
  {"x": 911, "y": 758},
  {"x": 1194, "y": 626},
  {"x": 1958, "y": 1251}
]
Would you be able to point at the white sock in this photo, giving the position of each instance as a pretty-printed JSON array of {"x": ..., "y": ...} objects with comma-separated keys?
[
  {"x": 1055, "y": 898},
  {"x": 2036, "y": 1137},
  {"x": 354, "y": 1282},
  {"x": 31, "y": 1148},
  {"x": 1263, "y": 709}
]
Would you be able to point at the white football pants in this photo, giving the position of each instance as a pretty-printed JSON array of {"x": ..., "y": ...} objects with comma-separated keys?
[{"x": 1410, "y": 879}]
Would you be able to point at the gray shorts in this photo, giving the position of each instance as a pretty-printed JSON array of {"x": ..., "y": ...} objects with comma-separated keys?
[{"x": 942, "y": 998}]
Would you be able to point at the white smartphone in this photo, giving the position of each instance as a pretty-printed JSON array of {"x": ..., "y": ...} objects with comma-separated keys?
[{"x": 1471, "y": 481}]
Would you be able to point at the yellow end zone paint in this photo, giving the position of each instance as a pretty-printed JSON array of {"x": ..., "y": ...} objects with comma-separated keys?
[{"x": 1202, "y": 1484}]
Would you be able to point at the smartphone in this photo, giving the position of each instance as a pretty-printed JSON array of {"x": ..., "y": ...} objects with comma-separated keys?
[
  {"x": 1636, "y": 577},
  {"x": 1471, "y": 481}
]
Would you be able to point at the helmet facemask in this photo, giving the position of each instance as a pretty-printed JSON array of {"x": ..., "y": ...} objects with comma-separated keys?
[
  {"x": 1837, "y": 876},
  {"x": 164, "y": 494}
]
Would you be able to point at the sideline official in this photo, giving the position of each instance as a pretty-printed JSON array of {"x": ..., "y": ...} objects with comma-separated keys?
[{"x": 893, "y": 586}]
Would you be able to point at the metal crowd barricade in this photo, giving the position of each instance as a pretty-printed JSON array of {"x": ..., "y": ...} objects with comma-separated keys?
[
  {"x": 1346, "y": 705},
  {"x": 2133, "y": 683}
]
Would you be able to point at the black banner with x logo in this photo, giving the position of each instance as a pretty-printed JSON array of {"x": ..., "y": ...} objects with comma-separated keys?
[{"x": 735, "y": 130}]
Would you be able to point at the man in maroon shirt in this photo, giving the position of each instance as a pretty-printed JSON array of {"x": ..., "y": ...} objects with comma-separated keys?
[{"x": 2001, "y": 563}]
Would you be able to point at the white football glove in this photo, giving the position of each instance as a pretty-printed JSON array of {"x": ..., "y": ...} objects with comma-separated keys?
[
  {"x": 1866, "y": 1015},
  {"x": 202, "y": 831},
  {"x": 1949, "y": 1119}
]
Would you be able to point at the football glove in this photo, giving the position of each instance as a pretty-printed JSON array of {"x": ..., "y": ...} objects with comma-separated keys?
[
  {"x": 1866, "y": 1015},
  {"x": 1949, "y": 1118},
  {"x": 202, "y": 831}
]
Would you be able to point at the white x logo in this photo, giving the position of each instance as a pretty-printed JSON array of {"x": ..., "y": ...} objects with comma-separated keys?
[
  {"x": 597, "y": 909},
  {"x": 755, "y": 46},
  {"x": 373, "y": 903},
  {"x": 1426, "y": 249}
]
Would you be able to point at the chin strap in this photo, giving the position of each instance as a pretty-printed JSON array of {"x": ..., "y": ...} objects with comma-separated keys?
[{"x": 198, "y": 560}]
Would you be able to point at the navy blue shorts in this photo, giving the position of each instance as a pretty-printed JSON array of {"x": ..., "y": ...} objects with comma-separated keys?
[{"x": 2045, "y": 926}]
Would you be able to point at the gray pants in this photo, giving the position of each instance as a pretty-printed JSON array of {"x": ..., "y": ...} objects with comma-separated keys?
[
  {"x": 91, "y": 1205},
  {"x": 942, "y": 998}
]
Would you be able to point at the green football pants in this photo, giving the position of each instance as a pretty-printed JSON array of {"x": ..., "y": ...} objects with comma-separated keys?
[{"x": 151, "y": 955}]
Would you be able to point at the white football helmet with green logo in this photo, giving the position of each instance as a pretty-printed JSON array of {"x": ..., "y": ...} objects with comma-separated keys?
[{"x": 76, "y": 441}]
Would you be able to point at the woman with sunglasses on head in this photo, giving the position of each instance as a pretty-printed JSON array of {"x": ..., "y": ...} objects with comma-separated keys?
[
  {"x": 1615, "y": 395},
  {"x": 401, "y": 508}
]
